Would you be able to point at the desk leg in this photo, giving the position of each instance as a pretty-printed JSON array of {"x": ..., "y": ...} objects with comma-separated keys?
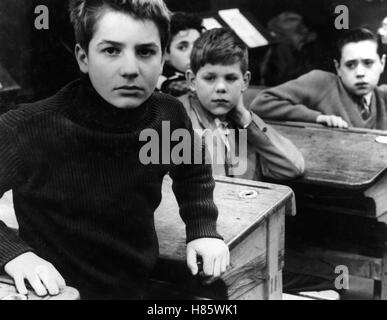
[
  {"x": 275, "y": 254},
  {"x": 383, "y": 282}
]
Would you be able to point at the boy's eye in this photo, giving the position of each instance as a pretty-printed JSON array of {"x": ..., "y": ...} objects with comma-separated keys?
[
  {"x": 351, "y": 65},
  {"x": 369, "y": 63},
  {"x": 145, "y": 52},
  {"x": 209, "y": 78},
  {"x": 231, "y": 78},
  {"x": 111, "y": 51},
  {"x": 182, "y": 47}
]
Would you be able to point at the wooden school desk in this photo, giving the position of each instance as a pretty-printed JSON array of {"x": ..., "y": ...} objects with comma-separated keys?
[
  {"x": 341, "y": 204},
  {"x": 251, "y": 219}
]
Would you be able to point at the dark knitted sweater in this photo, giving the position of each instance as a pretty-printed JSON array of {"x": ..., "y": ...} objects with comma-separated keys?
[{"x": 82, "y": 198}]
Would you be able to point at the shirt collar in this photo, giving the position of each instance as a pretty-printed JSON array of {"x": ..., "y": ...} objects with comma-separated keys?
[{"x": 368, "y": 99}]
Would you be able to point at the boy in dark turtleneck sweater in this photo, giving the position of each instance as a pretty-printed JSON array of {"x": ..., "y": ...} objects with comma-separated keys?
[{"x": 82, "y": 197}]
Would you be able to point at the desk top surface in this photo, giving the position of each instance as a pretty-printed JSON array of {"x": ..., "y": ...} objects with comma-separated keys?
[
  {"x": 238, "y": 216},
  {"x": 340, "y": 158}
]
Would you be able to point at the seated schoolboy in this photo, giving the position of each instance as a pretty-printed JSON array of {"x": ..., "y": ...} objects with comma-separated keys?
[
  {"x": 218, "y": 77},
  {"x": 185, "y": 29},
  {"x": 350, "y": 98},
  {"x": 83, "y": 198}
]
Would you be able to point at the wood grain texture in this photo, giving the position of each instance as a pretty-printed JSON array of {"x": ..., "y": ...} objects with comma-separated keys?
[
  {"x": 237, "y": 217},
  {"x": 338, "y": 158},
  {"x": 253, "y": 229}
]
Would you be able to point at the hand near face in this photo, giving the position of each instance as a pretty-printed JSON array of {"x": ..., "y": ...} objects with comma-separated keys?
[
  {"x": 42, "y": 275},
  {"x": 332, "y": 121},
  {"x": 215, "y": 255},
  {"x": 240, "y": 114}
]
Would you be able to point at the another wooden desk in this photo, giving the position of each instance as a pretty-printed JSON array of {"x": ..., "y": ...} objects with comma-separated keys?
[
  {"x": 341, "y": 204},
  {"x": 253, "y": 228}
]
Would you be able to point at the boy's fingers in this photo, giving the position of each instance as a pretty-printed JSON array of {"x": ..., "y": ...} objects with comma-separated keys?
[
  {"x": 51, "y": 286},
  {"x": 47, "y": 276},
  {"x": 223, "y": 266},
  {"x": 49, "y": 282},
  {"x": 208, "y": 266},
  {"x": 19, "y": 284},
  {"x": 192, "y": 261},
  {"x": 60, "y": 281},
  {"x": 36, "y": 284},
  {"x": 216, "y": 270}
]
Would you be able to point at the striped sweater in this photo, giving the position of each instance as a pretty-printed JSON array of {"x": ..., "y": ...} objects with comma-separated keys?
[{"x": 83, "y": 200}]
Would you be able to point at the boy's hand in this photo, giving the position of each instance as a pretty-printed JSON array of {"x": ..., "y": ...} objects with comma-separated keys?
[
  {"x": 240, "y": 114},
  {"x": 332, "y": 121},
  {"x": 215, "y": 255},
  {"x": 42, "y": 275}
]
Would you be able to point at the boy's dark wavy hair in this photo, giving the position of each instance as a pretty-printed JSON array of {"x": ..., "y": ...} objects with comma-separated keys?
[
  {"x": 219, "y": 46},
  {"x": 181, "y": 21},
  {"x": 356, "y": 35},
  {"x": 84, "y": 15}
]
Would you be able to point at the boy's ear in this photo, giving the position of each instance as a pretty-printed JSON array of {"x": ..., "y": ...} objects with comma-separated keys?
[
  {"x": 246, "y": 80},
  {"x": 337, "y": 65},
  {"x": 162, "y": 64},
  {"x": 81, "y": 56},
  {"x": 191, "y": 79},
  {"x": 383, "y": 61}
]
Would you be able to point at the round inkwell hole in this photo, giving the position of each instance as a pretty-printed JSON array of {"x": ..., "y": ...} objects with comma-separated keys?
[{"x": 248, "y": 194}]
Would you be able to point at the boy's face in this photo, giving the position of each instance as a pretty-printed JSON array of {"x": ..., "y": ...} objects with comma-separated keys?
[
  {"x": 360, "y": 67},
  {"x": 124, "y": 59},
  {"x": 219, "y": 87},
  {"x": 180, "y": 49}
]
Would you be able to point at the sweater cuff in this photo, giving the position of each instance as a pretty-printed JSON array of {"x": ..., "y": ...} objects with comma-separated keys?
[
  {"x": 202, "y": 229},
  {"x": 11, "y": 246}
]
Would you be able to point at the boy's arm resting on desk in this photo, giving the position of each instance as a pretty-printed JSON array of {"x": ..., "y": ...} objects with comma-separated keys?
[
  {"x": 294, "y": 100},
  {"x": 280, "y": 159},
  {"x": 16, "y": 256},
  {"x": 193, "y": 186}
]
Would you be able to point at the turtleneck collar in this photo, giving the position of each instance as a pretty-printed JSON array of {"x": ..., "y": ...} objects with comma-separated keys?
[{"x": 89, "y": 109}]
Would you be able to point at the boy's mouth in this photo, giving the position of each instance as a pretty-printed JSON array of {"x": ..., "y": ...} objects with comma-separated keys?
[
  {"x": 220, "y": 101},
  {"x": 129, "y": 88}
]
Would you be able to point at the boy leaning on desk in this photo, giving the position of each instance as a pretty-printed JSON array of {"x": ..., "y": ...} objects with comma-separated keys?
[
  {"x": 218, "y": 76},
  {"x": 351, "y": 98},
  {"x": 83, "y": 199}
]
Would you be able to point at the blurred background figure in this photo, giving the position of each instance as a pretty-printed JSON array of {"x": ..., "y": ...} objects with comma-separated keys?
[
  {"x": 297, "y": 49},
  {"x": 185, "y": 29}
]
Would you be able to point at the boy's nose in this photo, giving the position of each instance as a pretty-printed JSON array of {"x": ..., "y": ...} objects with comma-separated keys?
[
  {"x": 129, "y": 66},
  {"x": 220, "y": 86},
  {"x": 360, "y": 71}
]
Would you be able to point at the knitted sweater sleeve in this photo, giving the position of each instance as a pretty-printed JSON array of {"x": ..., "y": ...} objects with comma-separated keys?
[
  {"x": 295, "y": 100},
  {"x": 11, "y": 245},
  {"x": 193, "y": 186}
]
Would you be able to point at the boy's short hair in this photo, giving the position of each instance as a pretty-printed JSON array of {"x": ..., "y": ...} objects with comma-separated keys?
[
  {"x": 356, "y": 35},
  {"x": 183, "y": 21},
  {"x": 84, "y": 15},
  {"x": 219, "y": 46}
]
